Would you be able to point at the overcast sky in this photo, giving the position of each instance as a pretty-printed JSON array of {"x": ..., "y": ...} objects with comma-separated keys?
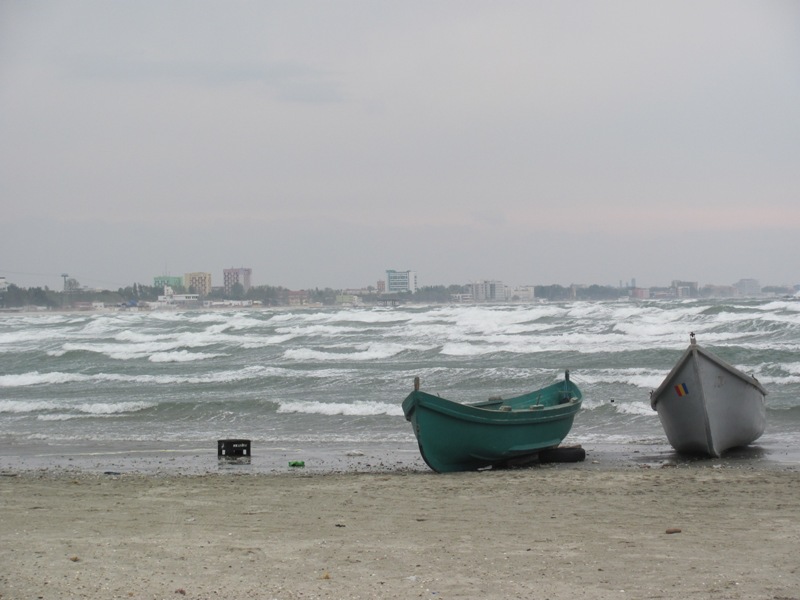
[{"x": 321, "y": 143}]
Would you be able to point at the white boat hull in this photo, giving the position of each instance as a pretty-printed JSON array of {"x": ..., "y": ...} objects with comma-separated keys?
[{"x": 707, "y": 406}]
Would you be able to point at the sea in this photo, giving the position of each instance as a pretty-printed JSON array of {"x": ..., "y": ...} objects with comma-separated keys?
[{"x": 322, "y": 387}]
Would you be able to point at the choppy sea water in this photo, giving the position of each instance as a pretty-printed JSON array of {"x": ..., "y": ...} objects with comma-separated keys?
[{"x": 335, "y": 378}]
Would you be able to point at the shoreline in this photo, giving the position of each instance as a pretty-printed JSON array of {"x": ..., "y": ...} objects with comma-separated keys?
[
  {"x": 613, "y": 532},
  {"x": 196, "y": 458}
]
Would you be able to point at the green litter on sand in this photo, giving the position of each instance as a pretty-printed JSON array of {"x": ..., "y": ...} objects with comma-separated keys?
[{"x": 297, "y": 463}]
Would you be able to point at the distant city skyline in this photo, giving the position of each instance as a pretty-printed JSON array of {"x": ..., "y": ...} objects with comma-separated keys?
[{"x": 218, "y": 282}]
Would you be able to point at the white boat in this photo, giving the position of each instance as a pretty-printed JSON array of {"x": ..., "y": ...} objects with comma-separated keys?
[{"x": 707, "y": 406}]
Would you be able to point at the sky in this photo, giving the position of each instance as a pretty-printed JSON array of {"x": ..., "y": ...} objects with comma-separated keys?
[{"x": 322, "y": 143}]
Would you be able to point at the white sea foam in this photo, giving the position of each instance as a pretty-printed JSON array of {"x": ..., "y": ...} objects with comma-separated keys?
[
  {"x": 642, "y": 378},
  {"x": 641, "y": 331},
  {"x": 590, "y": 404},
  {"x": 112, "y": 408},
  {"x": 63, "y": 407},
  {"x": 369, "y": 316},
  {"x": 181, "y": 356},
  {"x": 466, "y": 349},
  {"x": 132, "y": 351},
  {"x": 36, "y": 378},
  {"x": 300, "y": 317},
  {"x": 317, "y": 330},
  {"x": 252, "y": 343},
  {"x": 169, "y": 316},
  {"x": 496, "y": 320},
  {"x": 15, "y": 341},
  {"x": 141, "y": 337},
  {"x": 60, "y": 417},
  {"x": 100, "y": 326},
  {"x": 635, "y": 408},
  {"x": 778, "y": 305},
  {"x": 95, "y": 410},
  {"x": 354, "y": 409},
  {"x": 792, "y": 367},
  {"x": 359, "y": 353},
  {"x": 778, "y": 380},
  {"x": 207, "y": 317},
  {"x": 27, "y": 406}
]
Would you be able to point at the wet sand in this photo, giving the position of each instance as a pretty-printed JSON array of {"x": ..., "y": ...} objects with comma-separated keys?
[{"x": 561, "y": 531}]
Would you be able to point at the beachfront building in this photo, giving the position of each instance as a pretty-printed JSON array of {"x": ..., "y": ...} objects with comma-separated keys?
[
  {"x": 168, "y": 280},
  {"x": 169, "y": 299},
  {"x": 349, "y": 299},
  {"x": 460, "y": 298},
  {"x": 522, "y": 293},
  {"x": 198, "y": 283},
  {"x": 718, "y": 291},
  {"x": 748, "y": 287},
  {"x": 400, "y": 281},
  {"x": 487, "y": 291},
  {"x": 228, "y": 303},
  {"x": 297, "y": 298},
  {"x": 685, "y": 289},
  {"x": 232, "y": 276}
]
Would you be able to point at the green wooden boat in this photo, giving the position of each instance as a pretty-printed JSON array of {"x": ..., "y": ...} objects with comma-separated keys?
[{"x": 466, "y": 437}]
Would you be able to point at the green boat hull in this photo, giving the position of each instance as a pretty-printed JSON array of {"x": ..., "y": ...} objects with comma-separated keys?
[{"x": 466, "y": 437}]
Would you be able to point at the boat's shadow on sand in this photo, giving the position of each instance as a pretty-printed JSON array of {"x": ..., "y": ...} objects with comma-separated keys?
[{"x": 733, "y": 457}]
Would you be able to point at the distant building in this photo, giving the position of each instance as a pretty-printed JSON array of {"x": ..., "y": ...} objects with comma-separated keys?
[
  {"x": 226, "y": 303},
  {"x": 684, "y": 289},
  {"x": 748, "y": 287},
  {"x": 401, "y": 281},
  {"x": 168, "y": 280},
  {"x": 718, "y": 291},
  {"x": 487, "y": 291},
  {"x": 640, "y": 293},
  {"x": 349, "y": 299},
  {"x": 381, "y": 287},
  {"x": 232, "y": 276},
  {"x": 3, "y": 284},
  {"x": 171, "y": 300},
  {"x": 573, "y": 290},
  {"x": 198, "y": 283},
  {"x": 360, "y": 292},
  {"x": 297, "y": 298},
  {"x": 524, "y": 293}
]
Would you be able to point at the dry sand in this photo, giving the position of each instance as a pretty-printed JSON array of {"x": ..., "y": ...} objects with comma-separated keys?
[{"x": 544, "y": 532}]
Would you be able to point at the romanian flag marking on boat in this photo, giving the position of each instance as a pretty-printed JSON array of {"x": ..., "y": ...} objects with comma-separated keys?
[{"x": 681, "y": 389}]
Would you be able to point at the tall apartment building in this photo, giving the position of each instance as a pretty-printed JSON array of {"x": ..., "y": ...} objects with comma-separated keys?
[
  {"x": 198, "y": 283},
  {"x": 487, "y": 291},
  {"x": 232, "y": 276},
  {"x": 401, "y": 281},
  {"x": 748, "y": 287},
  {"x": 685, "y": 289},
  {"x": 168, "y": 280}
]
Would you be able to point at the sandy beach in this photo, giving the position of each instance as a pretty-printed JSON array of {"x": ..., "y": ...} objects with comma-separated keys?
[{"x": 541, "y": 532}]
